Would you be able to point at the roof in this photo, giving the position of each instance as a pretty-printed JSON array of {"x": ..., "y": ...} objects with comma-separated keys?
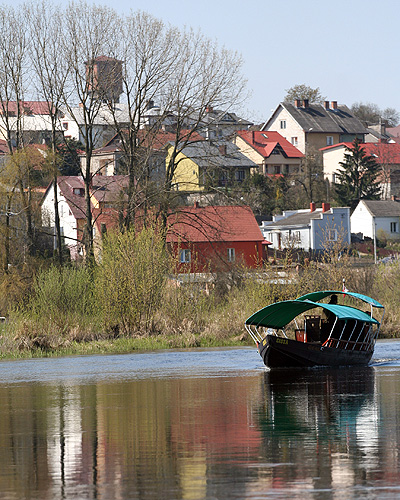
[
  {"x": 265, "y": 142},
  {"x": 104, "y": 189},
  {"x": 383, "y": 153},
  {"x": 223, "y": 154},
  {"x": 278, "y": 315},
  {"x": 219, "y": 117},
  {"x": 316, "y": 118},
  {"x": 28, "y": 107},
  {"x": 382, "y": 208},
  {"x": 298, "y": 219},
  {"x": 155, "y": 140},
  {"x": 316, "y": 296},
  {"x": 214, "y": 224}
]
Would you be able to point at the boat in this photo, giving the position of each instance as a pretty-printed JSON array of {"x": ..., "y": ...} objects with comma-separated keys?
[{"x": 333, "y": 333}]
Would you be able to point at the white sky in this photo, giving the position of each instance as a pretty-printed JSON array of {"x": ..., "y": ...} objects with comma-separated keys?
[{"x": 347, "y": 48}]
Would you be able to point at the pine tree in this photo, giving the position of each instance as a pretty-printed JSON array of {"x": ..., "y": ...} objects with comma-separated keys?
[{"x": 358, "y": 177}]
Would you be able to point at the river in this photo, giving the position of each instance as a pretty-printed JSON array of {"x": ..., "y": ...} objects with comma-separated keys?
[{"x": 198, "y": 424}]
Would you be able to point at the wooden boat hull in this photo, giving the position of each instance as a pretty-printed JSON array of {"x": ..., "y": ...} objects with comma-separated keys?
[{"x": 278, "y": 352}]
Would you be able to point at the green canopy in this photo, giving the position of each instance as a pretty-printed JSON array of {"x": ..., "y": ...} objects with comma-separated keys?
[
  {"x": 316, "y": 296},
  {"x": 280, "y": 314}
]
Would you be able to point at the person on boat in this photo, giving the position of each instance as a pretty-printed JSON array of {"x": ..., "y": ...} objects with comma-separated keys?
[{"x": 328, "y": 319}]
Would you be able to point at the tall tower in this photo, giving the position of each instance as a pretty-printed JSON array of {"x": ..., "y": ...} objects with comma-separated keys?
[{"x": 104, "y": 76}]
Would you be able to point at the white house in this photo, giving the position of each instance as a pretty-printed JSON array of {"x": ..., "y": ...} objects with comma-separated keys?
[
  {"x": 106, "y": 193},
  {"x": 377, "y": 218},
  {"x": 310, "y": 229}
]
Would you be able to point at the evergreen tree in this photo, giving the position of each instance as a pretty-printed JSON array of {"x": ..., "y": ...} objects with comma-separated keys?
[{"x": 358, "y": 177}]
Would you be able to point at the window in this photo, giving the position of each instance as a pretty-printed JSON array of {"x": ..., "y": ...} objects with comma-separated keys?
[
  {"x": 283, "y": 124},
  {"x": 184, "y": 256},
  {"x": 65, "y": 125},
  {"x": 294, "y": 141},
  {"x": 277, "y": 169},
  {"x": 240, "y": 175},
  {"x": 231, "y": 255},
  {"x": 393, "y": 227},
  {"x": 331, "y": 235},
  {"x": 329, "y": 140}
]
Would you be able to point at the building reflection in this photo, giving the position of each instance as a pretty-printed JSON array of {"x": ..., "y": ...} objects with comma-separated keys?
[{"x": 189, "y": 438}]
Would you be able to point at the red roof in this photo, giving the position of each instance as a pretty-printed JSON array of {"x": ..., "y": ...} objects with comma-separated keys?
[
  {"x": 27, "y": 107},
  {"x": 384, "y": 153},
  {"x": 214, "y": 224},
  {"x": 156, "y": 140},
  {"x": 265, "y": 142},
  {"x": 104, "y": 189}
]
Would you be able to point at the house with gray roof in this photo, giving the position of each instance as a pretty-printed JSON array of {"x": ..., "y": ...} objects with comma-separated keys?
[
  {"x": 308, "y": 125},
  {"x": 204, "y": 163},
  {"x": 312, "y": 229},
  {"x": 377, "y": 218}
]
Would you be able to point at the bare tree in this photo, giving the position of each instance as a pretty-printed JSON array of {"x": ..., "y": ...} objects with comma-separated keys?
[
  {"x": 13, "y": 68},
  {"x": 51, "y": 70},
  {"x": 204, "y": 77},
  {"x": 90, "y": 31},
  {"x": 147, "y": 50}
]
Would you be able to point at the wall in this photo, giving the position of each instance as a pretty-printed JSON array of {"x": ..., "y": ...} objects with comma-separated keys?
[
  {"x": 186, "y": 172},
  {"x": 212, "y": 256}
]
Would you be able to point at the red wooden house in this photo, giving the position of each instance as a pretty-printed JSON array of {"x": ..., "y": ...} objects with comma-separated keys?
[{"x": 215, "y": 238}]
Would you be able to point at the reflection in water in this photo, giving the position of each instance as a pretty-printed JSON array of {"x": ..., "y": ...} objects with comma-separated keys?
[
  {"x": 320, "y": 434},
  {"x": 317, "y": 425}
]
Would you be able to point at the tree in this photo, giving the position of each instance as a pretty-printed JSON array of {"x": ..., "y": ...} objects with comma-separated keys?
[
  {"x": 51, "y": 69},
  {"x": 358, "y": 177},
  {"x": 303, "y": 92},
  {"x": 148, "y": 51},
  {"x": 205, "y": 77},
  {"x": 91, "y": 31},
  {"x": 370, "y": 114}
]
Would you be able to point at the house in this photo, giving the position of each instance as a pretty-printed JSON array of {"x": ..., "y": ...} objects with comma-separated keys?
[
  {"x": 218, "y": 124},
  {"x": 312, "y": 229},
  {"x": 308, "y": 125},
  {"x": 103, "y": 129},
  {"x": 108, "y": 195},
  {"x": 377, "y": 218},
  {"x": 204, "y": 163},
  {"x": 215, "y": 237},
  {"x": 387, "y": 155},
  {"x": 270, "y": 151},
  {"x": 34, "y": 121}
]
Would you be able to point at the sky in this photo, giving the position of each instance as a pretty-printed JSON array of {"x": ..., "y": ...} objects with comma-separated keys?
[{"x": 347, "y": 48}]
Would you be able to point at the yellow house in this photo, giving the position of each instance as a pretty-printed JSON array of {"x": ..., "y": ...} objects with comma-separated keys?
[{"x": 206, "y": 163}]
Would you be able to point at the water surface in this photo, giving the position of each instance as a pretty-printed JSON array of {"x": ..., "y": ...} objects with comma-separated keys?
[{"x": 198, "y": 424}]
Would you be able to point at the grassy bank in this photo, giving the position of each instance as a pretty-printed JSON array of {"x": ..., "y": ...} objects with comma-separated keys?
[{"x": 134, "y": 301}]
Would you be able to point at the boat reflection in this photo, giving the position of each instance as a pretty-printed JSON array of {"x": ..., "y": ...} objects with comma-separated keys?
[{"x": 320, "y": 425}]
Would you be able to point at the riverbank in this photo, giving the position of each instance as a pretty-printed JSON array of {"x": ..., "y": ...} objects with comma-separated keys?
[{"x": 116, "y": 309}]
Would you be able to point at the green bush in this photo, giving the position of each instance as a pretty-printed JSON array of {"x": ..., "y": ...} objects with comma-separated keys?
[{"x": 130, "y": 280}]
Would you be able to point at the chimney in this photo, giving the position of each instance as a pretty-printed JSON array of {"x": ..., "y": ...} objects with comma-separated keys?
[
  {"x": 326, "y": 206},
  {"x": 326, "y": 104},
  {"x": 297, "y": 103},
  {"x": 312, "y": 206},
  {"x": 222, "y": 149},
  {"x": 253, "y": 137},
  {"x": 196, "y": 204},
  {"x": 306, "y": 103},
  {"x": 334, "y": 104},
  {"x": 209, "y": 109}
]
